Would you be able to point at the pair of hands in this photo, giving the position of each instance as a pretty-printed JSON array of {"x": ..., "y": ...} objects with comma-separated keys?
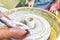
[
  {"x": 52, "y": 9},
  {"x": 20, "y": 31}
]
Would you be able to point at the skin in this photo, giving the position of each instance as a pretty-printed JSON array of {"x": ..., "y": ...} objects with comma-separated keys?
[
  {"x": 30, "y": 3},
  {"x": 15, "y": 32},
  {"x": 52, "y": 6}
]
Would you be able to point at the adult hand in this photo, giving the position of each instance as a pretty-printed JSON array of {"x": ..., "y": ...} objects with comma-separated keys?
[{"x": 13, "y": 33}]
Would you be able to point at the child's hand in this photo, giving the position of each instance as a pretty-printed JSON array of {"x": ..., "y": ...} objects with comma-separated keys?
[
  {"x": 30, "y": 3},
  {"x": 54, "y": 8}
]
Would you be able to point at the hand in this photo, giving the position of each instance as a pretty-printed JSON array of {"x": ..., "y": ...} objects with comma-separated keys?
[
  {"x": 30, "y": 4},
  {"x": 52, "y": 8},
  {"x": 17, "y": 33}
]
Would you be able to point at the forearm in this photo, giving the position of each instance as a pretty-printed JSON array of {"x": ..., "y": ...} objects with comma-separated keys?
[
  {"x": 56, "y": 1},
  {"x": 13, "y": 33}
]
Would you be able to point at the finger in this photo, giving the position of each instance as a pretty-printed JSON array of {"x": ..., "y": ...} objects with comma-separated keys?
[
  {"x": 32, "y": 5},
  {"x": 28, "y": 4},
  {"x": 54, "y": 12},
  {"x": 51, "y": 10}
]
